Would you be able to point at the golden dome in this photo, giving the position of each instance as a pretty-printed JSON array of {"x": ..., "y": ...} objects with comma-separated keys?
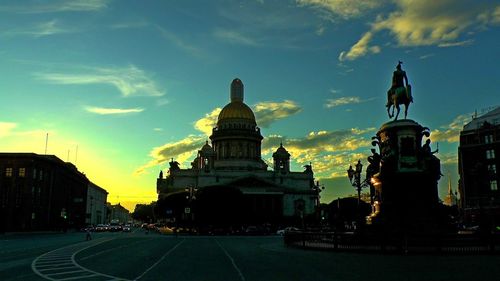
[{"x": 236, "y": 110}]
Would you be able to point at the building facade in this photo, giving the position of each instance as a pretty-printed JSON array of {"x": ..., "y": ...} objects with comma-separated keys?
[
  {"x": 479, "y": 159},
  {"x": 96, "y": 204},
  {"x": 233, "y": 160},
  {"x": 41, "y": 192},
  {"x": 118, "y": 214}
]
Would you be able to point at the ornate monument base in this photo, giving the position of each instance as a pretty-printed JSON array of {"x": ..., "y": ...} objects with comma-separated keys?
[{"x": 405, "y": 185}]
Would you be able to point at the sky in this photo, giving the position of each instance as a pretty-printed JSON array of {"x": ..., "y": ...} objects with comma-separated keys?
[{"x": 121, "y": 87}]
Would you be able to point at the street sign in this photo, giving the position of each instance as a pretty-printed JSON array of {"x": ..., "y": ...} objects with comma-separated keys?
[{"x": 187, "y": 210}]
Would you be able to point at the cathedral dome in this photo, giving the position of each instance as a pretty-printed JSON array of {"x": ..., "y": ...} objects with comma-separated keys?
[{"x": 236, "y": 110}]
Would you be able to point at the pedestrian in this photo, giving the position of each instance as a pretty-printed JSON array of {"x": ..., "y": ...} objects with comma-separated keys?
[{"x": 88, "y": 237}]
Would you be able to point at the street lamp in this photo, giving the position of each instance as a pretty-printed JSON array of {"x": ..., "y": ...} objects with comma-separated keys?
[
  {"x": 191, "y": 190},
  {"x": 355, "y": 178}
]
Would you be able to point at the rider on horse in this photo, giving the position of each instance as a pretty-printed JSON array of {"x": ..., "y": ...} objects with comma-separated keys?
[{"x": 399, "y": 80}]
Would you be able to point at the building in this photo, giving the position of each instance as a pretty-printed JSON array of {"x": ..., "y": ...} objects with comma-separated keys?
[
  {"x": 96, "y": 204},
  {"x": 232, "y": 161},
  {"x": 41, "y": 192},
  {"x": 478, "y": 159},
  {"x": 118, "y": 214},
  {"x": 451, "y": 198}
]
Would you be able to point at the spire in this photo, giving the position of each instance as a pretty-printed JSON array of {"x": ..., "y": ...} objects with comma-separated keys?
[{"x": 237, "y": 90}]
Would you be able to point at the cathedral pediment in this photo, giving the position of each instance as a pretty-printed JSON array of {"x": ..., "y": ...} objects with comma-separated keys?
[{"x": 246, "y": 182}]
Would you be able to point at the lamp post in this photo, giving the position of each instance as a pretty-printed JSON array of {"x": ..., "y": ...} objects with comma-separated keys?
[
  {"x": 355, "y": 178},
  {"x": 191, "y": 190}
]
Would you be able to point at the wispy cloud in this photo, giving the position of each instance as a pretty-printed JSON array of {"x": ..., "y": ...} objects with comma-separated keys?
[
  {"x": 456, "y": 44},
  {"x": 341, "y": 8},
  {"x": 235, "y": 37},
  {"x": 360, "y": 49},
  {"x": 268, "y": 112},
  {"x": 181, "y": 151},
  {"x": 451, "y": 132},
  {"x": 42, "y": 29},
  {"x": 112, "y": 111},
  {"x": 207, "y": 123},
  {"x": 158, "y": 129},
  {"x": 330, "y": 151},
  {"x": 180, "y": 43},
  {"x": 345, "y": 101},
  {"x": 423, "y": 57},
  {"x": 6, "y": 128},
  {"x": 56, "y": 6},
  {"x": 426, "y": 23},
  {"x": 130, "y": 81},
  {"x": 265, "y": 112}
]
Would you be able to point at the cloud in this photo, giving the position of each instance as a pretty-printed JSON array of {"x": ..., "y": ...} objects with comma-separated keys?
[
  {"x": 265, "y": 112},
  {"x": 341, "y": 8},
  {"x": 181, "y": 151},
  {"x": 112, "y": 111},
  {"x": 426, "y": 23},
  {"x": 456, "y": 44},
  {"x": 269, "y": 112},
  {"x": 6, "y": 128},
  {"x": 158, "y": 129},
  {"x": 180, "y": 43},
  {"x": 130, "y": 80},
  {"x": 235, "y": 37},
  {"x": 37, "y": 7},
  {"x": 329, "y": 151},
  {"x": 341, "y": 101},
  {"x": 451, "y": 132},
  {"x": 39, "y": 30},
  {"x": 207, "y": 123},
  {"x": 361, "y": 48}
]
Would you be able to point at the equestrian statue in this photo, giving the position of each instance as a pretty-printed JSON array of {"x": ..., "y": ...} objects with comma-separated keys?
[{"x": 399, "y": 93}]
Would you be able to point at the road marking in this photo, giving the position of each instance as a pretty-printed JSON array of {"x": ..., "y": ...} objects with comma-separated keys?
[
  {"x": 114, "y": 248},
  {"x": 162, "y": 257},
  {"x": 232, "y": 260},
  {"x": 59, "y": 263}
]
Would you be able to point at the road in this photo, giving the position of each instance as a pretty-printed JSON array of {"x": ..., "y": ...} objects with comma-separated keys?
[{"x": 140, "y": 256}]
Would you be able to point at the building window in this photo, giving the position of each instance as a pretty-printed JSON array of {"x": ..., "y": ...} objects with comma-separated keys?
[
  {"x": 490, "y": 154},
  {"x": 34, "y": 173},
  {"x": 8, "y": 172},
  {"x": 488, "y": 139},
  {"x": 493, "y": 185},
  {"x": 22, "y": 172},
  {"x": 492, "y": 168}
]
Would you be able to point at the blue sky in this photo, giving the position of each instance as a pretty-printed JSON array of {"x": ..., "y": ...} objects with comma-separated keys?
[{"x": 135, "y": 83}]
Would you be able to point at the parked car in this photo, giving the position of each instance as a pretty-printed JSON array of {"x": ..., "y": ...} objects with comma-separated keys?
[{"x": 286, "y": 229}]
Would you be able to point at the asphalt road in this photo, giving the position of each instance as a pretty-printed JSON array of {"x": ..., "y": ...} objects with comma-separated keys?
[{"x": 138, "y": 256}]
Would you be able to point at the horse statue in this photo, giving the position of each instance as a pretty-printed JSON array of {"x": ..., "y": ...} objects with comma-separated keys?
[
  {"x": 397, "y": 96},
  {"x": 399, "y": 93}
]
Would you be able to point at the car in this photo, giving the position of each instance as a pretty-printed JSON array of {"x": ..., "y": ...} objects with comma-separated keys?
[{"x": 286, "y": 229}]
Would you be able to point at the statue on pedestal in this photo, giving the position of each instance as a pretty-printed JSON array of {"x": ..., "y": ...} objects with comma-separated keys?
[{"x": 399, "y": 93}]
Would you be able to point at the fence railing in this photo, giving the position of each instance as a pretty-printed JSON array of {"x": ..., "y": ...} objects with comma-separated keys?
[{"x": 395, "y": 243}]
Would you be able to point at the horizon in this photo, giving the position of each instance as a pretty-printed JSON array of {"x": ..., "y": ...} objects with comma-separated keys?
[{"x": 122, "y": 87}]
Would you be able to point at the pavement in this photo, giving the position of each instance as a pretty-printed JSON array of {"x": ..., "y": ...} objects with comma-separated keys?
[{"x": 140, "y": 256}]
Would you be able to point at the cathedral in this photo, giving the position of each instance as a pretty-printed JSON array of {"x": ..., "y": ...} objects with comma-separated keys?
[{"x": 232, "y": 161}]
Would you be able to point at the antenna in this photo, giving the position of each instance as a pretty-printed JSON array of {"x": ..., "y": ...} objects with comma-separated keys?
[
  {"x": 46, "y": 142},
  {"x": 76, "y": 154}
]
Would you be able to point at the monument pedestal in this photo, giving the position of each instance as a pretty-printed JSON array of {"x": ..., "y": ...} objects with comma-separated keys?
[{"x": 406, "y": 197}]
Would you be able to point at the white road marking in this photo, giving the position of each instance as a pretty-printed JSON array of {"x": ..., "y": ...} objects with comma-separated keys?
[
  {"x": 232, "y": 261},
  {"x": 162, "y": 257}
]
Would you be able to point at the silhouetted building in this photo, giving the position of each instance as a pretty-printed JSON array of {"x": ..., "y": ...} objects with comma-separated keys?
[
  {"x": 451, "y": 198},
  {"x": 96, "y": 204},
  {"x": 118, "y": 214},
  {"x": 41, "y": 192},
  {"x": 478, "y": 160},
  {"x": 233, "y": 163}
]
